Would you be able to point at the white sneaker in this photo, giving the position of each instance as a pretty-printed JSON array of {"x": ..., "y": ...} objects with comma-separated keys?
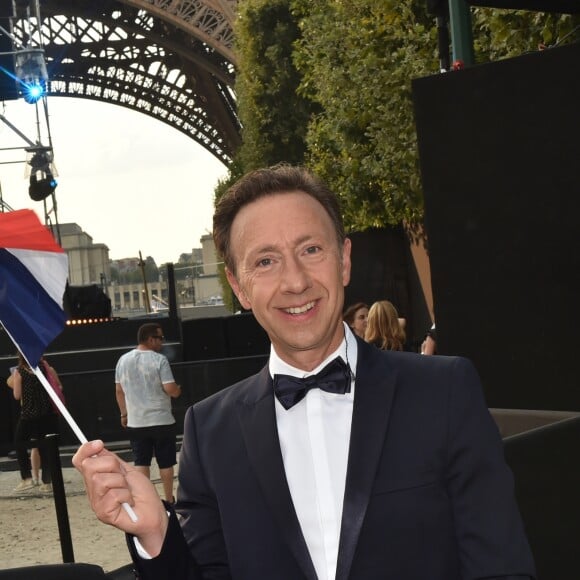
[{"x": 24, "y": 485}]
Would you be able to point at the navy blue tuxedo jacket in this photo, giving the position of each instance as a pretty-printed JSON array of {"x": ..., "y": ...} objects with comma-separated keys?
[{"x": 428, "y": 493}]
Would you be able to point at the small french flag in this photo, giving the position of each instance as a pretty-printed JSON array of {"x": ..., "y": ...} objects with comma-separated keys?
[{"x": 33, "y": 275}]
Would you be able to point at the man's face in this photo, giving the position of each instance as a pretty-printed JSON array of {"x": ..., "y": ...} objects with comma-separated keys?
[
  {"x": 291, "y": 272},
  {"x": 156, "y": 341},
  {"x": 359, "y": 324}
]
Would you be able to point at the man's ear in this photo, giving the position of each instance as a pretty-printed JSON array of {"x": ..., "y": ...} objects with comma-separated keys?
[
  {"x": 240, "y": 294},
  {"x": 346, "y": 262}
]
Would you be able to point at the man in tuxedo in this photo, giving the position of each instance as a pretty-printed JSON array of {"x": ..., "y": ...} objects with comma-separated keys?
[{"x": 337, "y": 460}]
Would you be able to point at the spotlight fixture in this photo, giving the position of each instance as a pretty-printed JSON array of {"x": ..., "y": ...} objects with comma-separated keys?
[
  {"x": 42, "y": 179},
  {"x": 31, "y": 73}
]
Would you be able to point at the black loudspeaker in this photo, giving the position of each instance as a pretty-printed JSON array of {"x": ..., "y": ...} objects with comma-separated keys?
[
  {"x": 86, "y": 302},
  {"x": 558, "y": 6},
  {"x": 498, "y": 146}
]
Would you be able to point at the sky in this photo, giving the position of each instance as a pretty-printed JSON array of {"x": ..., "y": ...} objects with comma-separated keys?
[{"x": 128, "y": 180}]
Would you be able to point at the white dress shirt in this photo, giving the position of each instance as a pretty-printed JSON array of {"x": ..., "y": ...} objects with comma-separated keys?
[{"x": 314, "y": 440}]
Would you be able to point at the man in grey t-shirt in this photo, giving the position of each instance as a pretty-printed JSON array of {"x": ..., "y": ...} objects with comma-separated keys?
[{"x": 144, "y": 387}]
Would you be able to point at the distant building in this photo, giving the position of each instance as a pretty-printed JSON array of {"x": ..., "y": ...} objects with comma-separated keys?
[
  {"x": 199, "y": 284},
  {"x": 126, "y": 264},
  {"x": 210, "y": 261},
  {"x": 88, "y": 263}
]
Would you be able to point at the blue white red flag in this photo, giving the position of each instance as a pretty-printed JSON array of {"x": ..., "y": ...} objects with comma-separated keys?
[{"x": 33, "y": 275}]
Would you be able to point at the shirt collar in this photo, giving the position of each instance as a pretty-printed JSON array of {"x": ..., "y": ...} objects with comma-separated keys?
[{"x": 347, "y": 350}]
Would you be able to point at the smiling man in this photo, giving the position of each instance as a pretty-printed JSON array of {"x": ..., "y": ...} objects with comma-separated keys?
[{"x": 337, "y": 460}]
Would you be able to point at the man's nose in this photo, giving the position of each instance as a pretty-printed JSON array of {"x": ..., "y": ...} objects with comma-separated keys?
[{"x": 295, "y": 277}]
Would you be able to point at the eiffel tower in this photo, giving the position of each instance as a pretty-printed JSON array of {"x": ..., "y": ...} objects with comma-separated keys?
[{"x": 170, "y": 59}]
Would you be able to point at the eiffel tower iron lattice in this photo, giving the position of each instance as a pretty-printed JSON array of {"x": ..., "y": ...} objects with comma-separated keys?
[{"x": 170, "y": 59}]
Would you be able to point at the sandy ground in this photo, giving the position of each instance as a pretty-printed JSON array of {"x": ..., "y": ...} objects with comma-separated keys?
[{"x": 29, "y": 530}]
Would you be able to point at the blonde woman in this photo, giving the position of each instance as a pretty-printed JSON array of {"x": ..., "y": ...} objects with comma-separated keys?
[{"x": 383, "y": 327}]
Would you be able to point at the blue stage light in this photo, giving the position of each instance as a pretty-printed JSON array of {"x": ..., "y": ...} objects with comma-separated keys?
[
  {"x": 31, "y": 74},
  {"x": 34, "y": 91}
]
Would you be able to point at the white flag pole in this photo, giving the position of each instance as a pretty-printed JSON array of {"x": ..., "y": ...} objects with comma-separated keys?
[
  {"x": 73, "y": 425},
  {"x": 60, "y": 405}
]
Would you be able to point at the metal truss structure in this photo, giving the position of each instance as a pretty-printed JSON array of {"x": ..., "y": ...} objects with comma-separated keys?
[{"x": 170, "y": 59}]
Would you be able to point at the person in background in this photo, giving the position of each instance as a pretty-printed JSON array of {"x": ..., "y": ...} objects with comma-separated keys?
[
  {"x": 34, "y": 453},
  {"x": 356, "y": 318},
  {"x": 144, "y": 387},
  {"x": 37, "y": 419},
  {"x": 383, "y": 327},
  {"x": 337, "y": 460},
  {"x": 429, "y": 345},
  {"x": 36, "y": 465}
]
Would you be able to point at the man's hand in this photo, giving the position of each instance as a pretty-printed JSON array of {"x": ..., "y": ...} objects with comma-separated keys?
[{"x": 110, "y": 482}]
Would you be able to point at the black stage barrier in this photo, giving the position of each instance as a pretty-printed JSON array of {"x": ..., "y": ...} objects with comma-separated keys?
[
  {"x": 204, "y": 338},
  {"x": 244, "y": 336},
  {"x": 67, "y": 572},
  {"x": 222, "y": 337},
  {"x": 90, "y": 396},
  {"x": 498, "y": 145},
  {"x": 55, "y": 572},
  {"x": 547, "y": 476}
]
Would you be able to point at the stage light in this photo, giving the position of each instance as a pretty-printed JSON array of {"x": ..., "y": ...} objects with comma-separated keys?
[
  {"x": 42, "y": 179},
  {"x": 31, "y": 73},
  {"x": 41, "y": 185},
  {"x": 34, "y": 91}
]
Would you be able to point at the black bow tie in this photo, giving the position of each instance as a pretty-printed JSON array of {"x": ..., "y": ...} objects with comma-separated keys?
[{"x": 335, "y": 377}]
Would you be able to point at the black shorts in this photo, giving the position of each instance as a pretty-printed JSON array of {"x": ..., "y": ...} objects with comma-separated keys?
[{"x": 149, "y": 441}]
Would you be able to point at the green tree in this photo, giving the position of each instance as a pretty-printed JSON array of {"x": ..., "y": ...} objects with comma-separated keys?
[
  {"x": 328, "y": 83},
  {"x": 502, "y": 34},
  {"x": 274, "y": 115},
  {"x": 357, "y": 59},
  {"x": 114, "y": 274}
]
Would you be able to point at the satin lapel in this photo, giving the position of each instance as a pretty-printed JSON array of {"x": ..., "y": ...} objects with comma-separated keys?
[
  {"x": 258, "y": 422},
  {"x": 374, "y": 389}
]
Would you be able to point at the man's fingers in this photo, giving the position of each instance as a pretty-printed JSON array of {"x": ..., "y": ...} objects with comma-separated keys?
[{"x": 87, "y": 450}]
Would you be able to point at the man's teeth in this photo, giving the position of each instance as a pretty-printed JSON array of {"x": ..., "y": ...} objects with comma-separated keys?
[{"x": 300, "y": 309}]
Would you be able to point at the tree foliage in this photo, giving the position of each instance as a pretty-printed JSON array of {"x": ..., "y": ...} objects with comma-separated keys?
[
  {"x": 502, "y": 34},
  {"x": 358, "y": 59},
  {"x": 327, "y": 83},
  {"x": 274, "y": 115}
]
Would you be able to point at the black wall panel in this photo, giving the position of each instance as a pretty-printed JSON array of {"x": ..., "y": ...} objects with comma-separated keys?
[
  {"x": 204, "y": 338},
  {"x": 245, "y": 337},
  {"x": 383, "y": 269},
  {"x": 499, "y": 159}
]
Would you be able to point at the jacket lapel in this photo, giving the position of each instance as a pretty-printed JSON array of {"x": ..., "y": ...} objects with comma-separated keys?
[
  {"x": 258, "y": 423},
  {"x": 374, "y": 389}
]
